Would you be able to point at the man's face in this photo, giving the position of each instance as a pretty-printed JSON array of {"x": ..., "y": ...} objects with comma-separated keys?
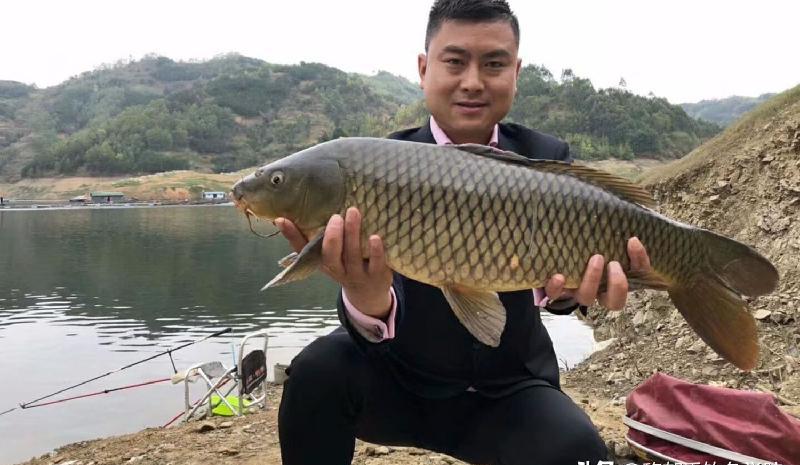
[{"x": 469, "y": 77}]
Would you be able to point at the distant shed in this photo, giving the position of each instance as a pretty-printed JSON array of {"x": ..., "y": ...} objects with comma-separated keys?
[
  {"x": 212, "y": 195},
  {"x": 107, "y": 197}
]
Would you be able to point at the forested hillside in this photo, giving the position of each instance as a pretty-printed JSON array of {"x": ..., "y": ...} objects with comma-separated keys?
[
  {"x": 724, "y": 111},
  {"x": 232, "y": 112}
]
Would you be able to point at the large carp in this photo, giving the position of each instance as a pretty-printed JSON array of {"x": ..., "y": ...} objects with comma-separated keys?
[{"x": 473, "y": 220}]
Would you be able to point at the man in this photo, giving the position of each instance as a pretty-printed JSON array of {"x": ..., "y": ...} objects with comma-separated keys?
[{"x": 404, "y": 371}]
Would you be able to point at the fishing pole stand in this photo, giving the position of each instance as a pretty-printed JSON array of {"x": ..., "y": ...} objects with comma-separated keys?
[{"x": 248, "y": 377}]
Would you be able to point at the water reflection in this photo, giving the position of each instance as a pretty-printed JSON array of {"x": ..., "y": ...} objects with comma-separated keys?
[{"x": 85, "y": 291}]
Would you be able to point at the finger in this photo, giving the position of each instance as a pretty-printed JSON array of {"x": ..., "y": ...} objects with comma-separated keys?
[
  {"x": 353, "y": 260},
  {"x": 617, "y": 293},
  {"x": 332, "y": 247},
  {"x": 296, "y": 239},
  {"x": 377, "y": 258},
  {"x": 587, "y": 291},
  {"x": 555, "y": 286},
  {"x": 637, "y": 255}
]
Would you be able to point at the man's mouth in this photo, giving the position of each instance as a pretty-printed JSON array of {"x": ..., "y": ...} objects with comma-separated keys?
[{"x": 471, "y": 104}]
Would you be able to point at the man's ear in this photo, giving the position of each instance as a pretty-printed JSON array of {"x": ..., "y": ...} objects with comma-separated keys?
[
  {"x": 422, "y": 67},
  {"x": 516, "y": 73}
]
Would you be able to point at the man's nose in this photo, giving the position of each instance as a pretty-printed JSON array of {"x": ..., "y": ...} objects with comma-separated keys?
[{"x": 471, "y": 80}]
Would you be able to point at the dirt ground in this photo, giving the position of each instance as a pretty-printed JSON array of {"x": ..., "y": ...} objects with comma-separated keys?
[{"x": 253, "y": 440}]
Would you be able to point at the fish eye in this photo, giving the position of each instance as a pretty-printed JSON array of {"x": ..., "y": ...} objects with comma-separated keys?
[{"x": 276, "y": 178}]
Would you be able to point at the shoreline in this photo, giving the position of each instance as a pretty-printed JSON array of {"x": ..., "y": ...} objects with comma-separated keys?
[{"x": 43, "y": 205}]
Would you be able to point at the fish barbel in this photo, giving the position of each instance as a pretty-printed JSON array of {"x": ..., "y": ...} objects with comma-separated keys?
[{"x": 474, "y": 220}]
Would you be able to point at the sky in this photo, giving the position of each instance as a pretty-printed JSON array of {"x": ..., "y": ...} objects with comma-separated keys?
[{"x": 683, "y": 50}]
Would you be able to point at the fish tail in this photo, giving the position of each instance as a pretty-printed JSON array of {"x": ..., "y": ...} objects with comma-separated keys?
[{"x": 711, "y": 301}]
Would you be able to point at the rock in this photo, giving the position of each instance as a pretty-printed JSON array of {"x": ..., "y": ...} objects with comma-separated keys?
[
  {"x": 229, "y": 451},
  {"x": 415, "y": 451},
  {"x": 621, "y": 449},
  {"x": 601, "y": 345},
  {"x": 761, "y": 314},
  {"x": 280, "y": 373},
  {"x": 714, "y": 199},
  {"x": 376, "y": 451},
  {"x": 206, "y": 426},
  {"x": 697, "y": 347},
  {"x": 225, "y": 425},
  {"x": 639, "y": 318}
]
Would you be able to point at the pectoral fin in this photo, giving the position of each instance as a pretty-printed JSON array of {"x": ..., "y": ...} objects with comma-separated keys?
[
  {"x": 299, "y": 266},
  {"x": 481, "y": 312},
  {"x": 287, "y": 261}
]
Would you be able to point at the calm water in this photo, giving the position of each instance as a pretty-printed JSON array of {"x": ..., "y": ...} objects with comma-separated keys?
[{"x": 86, "y": 291}]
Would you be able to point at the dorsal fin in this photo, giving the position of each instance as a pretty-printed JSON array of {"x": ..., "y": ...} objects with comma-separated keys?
[{"x": 612, "y": 183}]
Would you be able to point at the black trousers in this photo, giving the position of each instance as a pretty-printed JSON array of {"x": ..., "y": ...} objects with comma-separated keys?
[{"x": 335, "y": 394}]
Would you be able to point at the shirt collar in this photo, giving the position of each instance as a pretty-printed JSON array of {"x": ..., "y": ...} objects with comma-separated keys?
[{"x": 442, "y": 139}]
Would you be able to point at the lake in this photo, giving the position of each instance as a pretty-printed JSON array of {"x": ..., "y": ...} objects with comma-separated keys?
[{"x": 84, "y": 291}]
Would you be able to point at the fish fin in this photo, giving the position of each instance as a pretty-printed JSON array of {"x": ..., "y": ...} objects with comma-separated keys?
[
  {"x": 719, "y": 315},
  {"x": 287, "y": 261},
  {"x": 616, "y": 185},
  {"x": 640, "y": 280},
  {"x": 481, "y": 312},
  {"x": 301, "y": 266},
  {"x": 739, "y": 266},
  {"x": 647, "y": 280}
]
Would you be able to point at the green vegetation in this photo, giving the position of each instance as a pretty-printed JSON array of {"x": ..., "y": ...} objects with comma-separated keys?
[
  {"x": 724, "y": 111},
  {"x": 604, "y": 123},
  {"x": 233, "y": 112}
]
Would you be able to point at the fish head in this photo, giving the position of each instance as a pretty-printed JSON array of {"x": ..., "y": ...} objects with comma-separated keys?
[{"x": 305, "y": 188}]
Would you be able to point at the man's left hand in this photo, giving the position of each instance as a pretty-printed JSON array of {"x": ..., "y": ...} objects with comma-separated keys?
[{"x": 617, "y": 283}]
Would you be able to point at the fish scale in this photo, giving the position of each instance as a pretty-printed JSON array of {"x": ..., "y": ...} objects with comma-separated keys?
[
  {"x": 475, "y": 221},
  {"x": 526, "y": 214}
]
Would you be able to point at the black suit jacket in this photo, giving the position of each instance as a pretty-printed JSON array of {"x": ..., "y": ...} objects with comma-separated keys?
[{"x": 432, "y": 354}]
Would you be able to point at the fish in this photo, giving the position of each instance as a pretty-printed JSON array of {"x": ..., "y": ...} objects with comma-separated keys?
[{"x": 474, "y": 220}]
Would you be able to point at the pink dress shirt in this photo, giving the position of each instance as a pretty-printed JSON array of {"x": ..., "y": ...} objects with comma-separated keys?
[{"x": 376, "y": 330}]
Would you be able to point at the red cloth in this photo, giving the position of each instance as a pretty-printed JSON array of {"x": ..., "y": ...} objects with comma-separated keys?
[{"x": 746, "y": 422}]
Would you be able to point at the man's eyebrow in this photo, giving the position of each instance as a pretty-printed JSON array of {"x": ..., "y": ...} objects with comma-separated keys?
[
  {"x": 455, "y": 49},
  {"x": 499, "y": 53}
]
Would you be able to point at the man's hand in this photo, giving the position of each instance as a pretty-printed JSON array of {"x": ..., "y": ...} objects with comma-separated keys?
[
  {"x": 366, "y": 282},
  {"x": 617, "y": 283}
]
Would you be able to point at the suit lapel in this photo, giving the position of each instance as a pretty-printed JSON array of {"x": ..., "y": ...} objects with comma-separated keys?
[
  {"x": 505, "y": 143},
  {"x": 423, "y": 134}
]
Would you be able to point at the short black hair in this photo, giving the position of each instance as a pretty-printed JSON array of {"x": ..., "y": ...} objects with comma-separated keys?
[{"x": 478, "y": 11}]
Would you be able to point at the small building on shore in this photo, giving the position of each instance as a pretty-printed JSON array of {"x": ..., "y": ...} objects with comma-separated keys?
[
  {"x": 107, "y": 197},
  {"x": 214, "y": 195}
]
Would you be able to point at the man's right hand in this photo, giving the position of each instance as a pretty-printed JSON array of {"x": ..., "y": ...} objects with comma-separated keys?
[{"x": 366, "y": 282}]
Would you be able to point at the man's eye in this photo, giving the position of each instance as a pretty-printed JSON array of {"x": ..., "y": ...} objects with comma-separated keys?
[
  {"x": 495, "y": 64},
  {"x": 453, "y": 61}
]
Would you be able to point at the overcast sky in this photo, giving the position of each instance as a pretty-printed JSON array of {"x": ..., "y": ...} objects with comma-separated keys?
[{"x": 684, "y": 50}]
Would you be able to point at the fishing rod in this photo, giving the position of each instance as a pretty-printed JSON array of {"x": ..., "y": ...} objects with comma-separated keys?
[
  {"x": 166, "y": 352},
  {"x": 104, "y": 391}
]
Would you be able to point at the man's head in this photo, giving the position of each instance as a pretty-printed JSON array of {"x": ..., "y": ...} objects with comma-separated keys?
[{"x": 470, "y": 68}]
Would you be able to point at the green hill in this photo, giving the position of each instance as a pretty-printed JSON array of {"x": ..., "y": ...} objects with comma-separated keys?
[
  {"x": 231, "y": 112},
  {"x": 724, "y": 111},
  {"x": 606, "y": 122}
]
